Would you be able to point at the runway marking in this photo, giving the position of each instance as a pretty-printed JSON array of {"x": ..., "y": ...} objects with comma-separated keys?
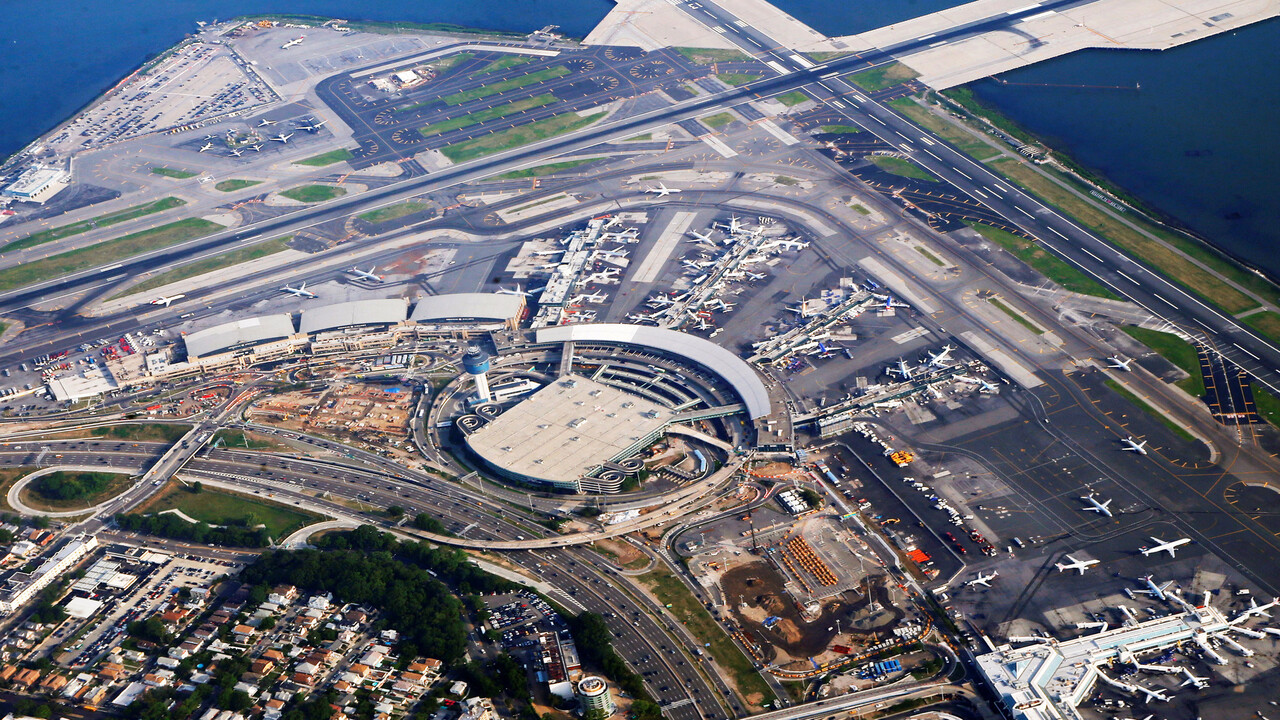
[
  {"x": 961, "y": 172},
  {"x": 1246, "y": 352},
  {"x": 1086, "y": 252},
  {"x": 1055, "y": 232},
  {"x": 1126, "y": 277}
]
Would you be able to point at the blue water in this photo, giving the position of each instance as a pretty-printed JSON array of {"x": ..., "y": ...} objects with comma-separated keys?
[{"x": 1196, "y": 142}]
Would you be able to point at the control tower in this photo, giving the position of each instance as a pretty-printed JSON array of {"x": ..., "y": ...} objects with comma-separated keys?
[
  {"x": 593, "y": 695},
  {"x": 476, "y": 364}
]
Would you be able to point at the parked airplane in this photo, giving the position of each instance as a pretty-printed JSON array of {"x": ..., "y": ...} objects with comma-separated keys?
[
  {"x": 1098, "y": 507},
  {"x": 1118, "y": 364},
  {"x": 1150, "y": 695},
  {"x": 1256, "y": 609},
  {"x": 256, "y": 148},
  {"x": 1074, "y": 564},
  {"x": 902, "y": 369},
  {"x": 166, "y": 300},
  {"x": 1134, "y": 446},
  {"x": 889, "y": 302},
  {"x": 734, "y": 227},
  {"x": 1162, "y": 546},
  {"x": 366, "y": 275},
  {"x": 983, "y": 580},
  {"x": 265, "y": 122},
  {"x": 313, "y": 126},
  {"x": 210, "y": 137},
  {"x": 300, "y": 291},
  {"x": 283, "y": 138},
  {"x": 1155, "y": 591},
  {"x": 940, "y": 358},
  {"x": 237, "y": 152},
  {"x": 207, "y": 146},
  {"x": 1195, "y": 681},
  {"x": 983, "y": 385},
  {"x": 617, "y": 254},
  {"x": 518, "y": 291},
  {"x": 701, "y": 237},
  {"x": 662, "y": 190}
]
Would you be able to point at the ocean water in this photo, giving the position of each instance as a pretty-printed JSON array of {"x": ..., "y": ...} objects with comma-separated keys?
[{"x": 1197, "y": 142}]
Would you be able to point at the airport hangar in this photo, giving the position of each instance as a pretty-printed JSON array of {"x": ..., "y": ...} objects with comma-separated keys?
[{"x": 579, "y": 435}]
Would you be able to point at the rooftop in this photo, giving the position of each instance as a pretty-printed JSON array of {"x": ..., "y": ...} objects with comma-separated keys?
[
  {"x": 468, "y": 306},
  {"x": 237, "y": 333},
  {"x": 357, "y": 312}
]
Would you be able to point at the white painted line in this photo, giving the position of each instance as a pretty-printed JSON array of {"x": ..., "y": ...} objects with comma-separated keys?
[
  {"x": 1086, "y": 252},
  {"x": 994, "y": 188},
  {"x": 772, "y": 128},
  {"x": 1246, "y": 352},
  {"x": 926, "y": 37},
  {"x": 906, "y": 148},
  {"x": 1024, "y": 212},
  {"x": 719, "y": 29},
  {"x": 816, "y": 68},
  {"x": 904, "y": 137},
  {"x": 1160, "y": 297},
  {"x": 927, "y": 141},
  {"x": 837, "y": 103},
  {"x": 873, "y": 117},
  {"x": 940, "y": 42},
  {"x": 1055, "y": 232},
  {"x": 718, "y": 145},
  {"x": 962, "y": 173},
  {"x": 801, "y": 61},
  {"x": 824, "y": 87},
  {"x": 1045, "y": 14},
  {"x": 1126, "y": 277},
  {"x": 830, "y": 75},
  {"x": 1020, "y": 10},
  {"x": 662, "y": 249},
  {"x": 777, "y": 67},
  {"x": 935, "y": 157},
  {"x": 979, "y": 194}
]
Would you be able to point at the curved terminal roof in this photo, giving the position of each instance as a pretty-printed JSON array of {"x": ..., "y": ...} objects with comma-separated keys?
[
  {"x": 467, "y": 306},
  {"x": 732, "y": 368},
  {"x": 240, "y": 332},
  {"x": 356, "y": 312}
]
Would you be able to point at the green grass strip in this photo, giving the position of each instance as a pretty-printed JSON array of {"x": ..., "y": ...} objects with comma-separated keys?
[
  {"x": 171, "y": 173},
  {"x": 1044, "y": 262},
  {"x": 499, "y": 65},
  {"x": 209, "y": 264},
  {"x": 549, "y": 169},
  {"x": 106, "y": 253},
  {"x": 885, "y": 76},
  {"x": 711, "y": 56},
  {"x": 505, "y": 85},
  {"x": 901, "y": 168},
  {"x": 314, "y": 193},
  {"x": 107, "y": 220},
  {"x": 959, "y": 138},
  {"x": 236, "y": 184},
  {"x": 493, "y": 113},
  {"x": 1144, "y": 407},
  {"x": 718, "y": 121},
  {"x": 517, "y": 136},
  {"x": 1266, "y": 322},
  {"x": 393, "y": 212},
  {"x": 1177, "y": 351},
  {"x": 329, "y": 158},
  {"x": 736, "y": 79},
  {"x": 1016, "y": 316},
  {"x": 793, "y": 98},
  {"x": 840, "y": 129}
]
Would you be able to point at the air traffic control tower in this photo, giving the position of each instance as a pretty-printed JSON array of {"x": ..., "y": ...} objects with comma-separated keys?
[{"x": 476, "y": 364}]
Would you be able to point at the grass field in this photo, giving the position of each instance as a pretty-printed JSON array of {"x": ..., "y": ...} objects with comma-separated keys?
[
  {"x": 510, "y": 84},
  {"x": 209, "y": 264},
  {"x": 113, "y": 485},
  {"x": 1268, "y": 406},
  {"x": 502, "y": 64},
  {"x": 860, "y": 209},
  {"x": 250, "y": 441},
  {"x": 1267, "y": 323},
  {"x": 718, "y": 121},
  {"x": 493, "y": 113},
  {"x": 795, "y": 97},
  {"x": 785, "y": 180},
  {"x": 106, "y": 253},
  {"x": 548, "y": 169},
  {"x": 736, "y": 79},
  {"x": 449, "y": 62},
  {"x": 640, "y": 138},
  {"x": 57, "y": 233},
  {"x": 711, "y": 56},
  {"x": 1002, "y": 307},
  {"x": 1166, "y": 260},
  {"x": 314, "y": 193},
  {"x": 885, "y": 76},
  {"x": 930, "y": 256},
  {"x": 902, "y": 168},
  {"x": 957, "y": 136},
  {"x": 1177, "y": 351},
  {"x": 1144, "y": 407},
  {"x": 142, "y": 432},
  {"x": 517, "y": 136},
  {"x": 171, "y": 173},
  {"x": 393, "y": 212},
  {"x": 686, "y": 608},
  {"x": 1044, "y": 262},
  {"x": 840, "y": 129},
  {"x": 219, "y": 507},
  {"x": 9, "y": 476},
  {"x": 234, "y": 185},
  {"x": 329, "y": 158}
]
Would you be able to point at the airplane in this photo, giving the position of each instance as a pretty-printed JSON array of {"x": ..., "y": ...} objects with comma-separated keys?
[
  {"x": 366, "y": 275},
  {"x": 283, "y": 138},
  {"x": 1132, "y": 445},
  {"x": 256, "y": 148},
  {"x": 662, "y": 190},
  {"x": 701, "y": 237},
  {"x": 734, "y": 227},
  {"x": 207, "y": 146},
  {"x": 1150, "y": 695},
  {"x": 638, "y": 318},
  {"x": 300, "y": 291},
  {"x": 265, "y": 122},
  {"x": 237, "y": 152},
  {"x": 609, "y": 276},
  {"x": 902, "y": 369},
  {"x": 1256, "y": 609},
  {"x": 1118, "y": 364},
  {"x": 1098, "y": 507},
  {"x": 1155, "y": 591},
  {"x": 210, "y": 137},
  {"x": 984, "y": 386},
  {"x": 1074, "y": 564},
  {"x": 824, "y": 351},
  {"x": 940, "y": 359},
  {"x": 1162, "y": 546},
  {"x": 518, "y": 291},
  {"x": 613, "y": 220},
  {"x": 890, "y": 303},
  {"x": 1197, "y": 682},
  {"x": 983, "y": 580},
  {"x": 166, "y": 300},
  {"x": 313, "y": 127},
  {"x": 755, "y": 276},
  {"x": 592, "y": 298}
]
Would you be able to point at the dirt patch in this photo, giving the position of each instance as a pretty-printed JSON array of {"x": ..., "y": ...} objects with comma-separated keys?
[
  {"x": 622, "y": 553},
  {"x": 773, "y": 618}
]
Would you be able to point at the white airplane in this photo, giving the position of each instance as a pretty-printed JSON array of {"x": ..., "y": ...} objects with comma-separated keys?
[
  {"x": 889, "y": 302},
  {"x": 210, "y": 137},
  {"x": 902, "y": 369},
  {"x": 613, "y": 221},
  {"x": 1256, "y": 609},
  {"x": 313, "y": 126},
  {"x": 237, "y": 152},
  {"x": 300, "y": 291},
  {"x": 596, "y": 298},
  {"x": 206, "y": 147},
  {"x": 1077, "y": 565},
  {"x": 754, "y": 275},
  {"x": 1155, "y": 591},
  {"x": 518, "y": 291},
  {"x": 701, "y": 237},
  {"x": 662, "y": 190},
  {"x": 283, "y": 138},
  {"x": 983, "y": 385},
  {"x": 256, "y": 148},
  {"x": 1098, "y": 507},
  {"x": 166, "y": 300},
  {"x": 1150, "y": 695},
  {"x": 616, "y": 254},
  {"x": 940, "y": 358},
  {"x": 638, "y": 318},
  {"x": 1162, "y": 546},
  {"x": 734, "y": 227},
  {"x": 1195, "y": 681},
  {"x": 983, "y": 580},
  {"x": 363, "y": 275},
  {"x": 265, "y": 122},
  {"x": 606, "y": 277},
  {"x": 1132, "y": 445},
  {"x": 1118, "y": 364}
]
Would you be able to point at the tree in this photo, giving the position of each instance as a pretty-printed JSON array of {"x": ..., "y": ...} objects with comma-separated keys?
[
  {"x": 197, "y": 487},
  {"x": 395, "y": 511}
]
